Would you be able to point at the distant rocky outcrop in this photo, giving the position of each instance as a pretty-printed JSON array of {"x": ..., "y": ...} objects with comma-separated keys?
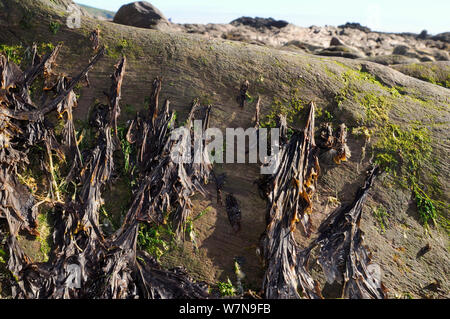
[
  {"x": 444, "y": 37},
  {"x": 351, "y": 40},
  {"x": 141, "y": 14},
  {"x": 335, "y": 41},
  {"x": 100, "y": 14},
  {"x": 259, "y": 23},
  {"x": 357, "y": 26}
]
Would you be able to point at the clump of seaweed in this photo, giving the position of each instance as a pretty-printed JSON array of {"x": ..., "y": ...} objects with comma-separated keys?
[
  {"x": 342, "y": 254},
  {"x": 84, "y": 262},
  {"x": 289, "y": 192}
]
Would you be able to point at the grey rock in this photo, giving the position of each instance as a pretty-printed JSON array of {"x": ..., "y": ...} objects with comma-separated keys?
[
  {"x": 441, "y": 55},
  {"x": 401, "y": 50},
  {"x": 444, "y": 37},
  {"x": 427, "y": 58},
  {"x": 141, "y": 14},
  {"x": 260, "y": 23},
  {"x": 423, "y": 35},
  {"x": 392, "y": 59},
  {"x": 342, "y": 51},
  {"x": 353, "y": 25},
  {"x": 303, "y": 46},
  {"x": 335, "y": 41}
]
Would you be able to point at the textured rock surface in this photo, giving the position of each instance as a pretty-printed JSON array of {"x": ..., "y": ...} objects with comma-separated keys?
[
  {"x": 212, "y": 69},
  {"x": 433, "y": 72},
  {"x": 444, "y": 37},
  {"x": 350, "y": 40}
]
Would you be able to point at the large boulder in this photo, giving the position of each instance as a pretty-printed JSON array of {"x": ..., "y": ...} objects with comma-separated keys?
[{"x": 141, "y": 14}]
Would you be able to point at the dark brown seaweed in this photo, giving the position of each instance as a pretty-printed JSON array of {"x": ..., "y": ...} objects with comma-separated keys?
[
  {"x": 289, "y": 192},
  {"x": 242, "y": 97},
  {"x": 83, "y": 263},
  {"x": 233, "y": 212},
  {"x": 342, "y": 255}
]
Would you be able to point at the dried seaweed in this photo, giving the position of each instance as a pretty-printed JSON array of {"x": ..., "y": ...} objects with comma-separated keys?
[
  {"x": 342, "y": 254},
  {"x": 233, "y": 212},
  {"x": 94, "y": 37},
  {"x": 18, "y": 206},
  {"x": 83, "y": 263},
  {"x": 242, "y": 97},
  {"x": 289, "y": 191},
  {"x": 166, "y": 185},
  {"x": 333, "y": 145},
  {"x": 257, "y": 112},
  {"x": 220, "y": 182}
]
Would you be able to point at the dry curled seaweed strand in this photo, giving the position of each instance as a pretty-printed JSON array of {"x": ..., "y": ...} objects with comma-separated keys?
[
  {"x": 94, "y": 37},
  {"x": 342, "y": 254},
  {"x": 115, "y": 93},
  {"x": 17, "y": 205},
  {"x": 39, "y": 114},
  {"x": 157, "y": 283},
  {"x": 154, "y": 99},
  {"x": 150, "y": 133},
  {"x": 257, "y": 112},
  {"x": 163, "y": 188},
  {"x": 288, "y": 198},
  {"x": 242, "y": 97},
  {"x": 233, "y": 212},
  {"x": 220, "y": 182}
]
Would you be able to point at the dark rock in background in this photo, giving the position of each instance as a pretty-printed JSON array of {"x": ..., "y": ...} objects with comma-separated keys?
[
  {"x": 444, "y": 37},
  {"x": 357, "y": 26},
  {"x": 259, "y": 23}
]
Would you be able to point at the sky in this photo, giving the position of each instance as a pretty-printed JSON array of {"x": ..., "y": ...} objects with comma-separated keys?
[{"x": 379, "y": 15}]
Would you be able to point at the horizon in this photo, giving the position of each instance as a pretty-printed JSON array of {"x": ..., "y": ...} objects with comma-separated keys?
[{"x": 382, "y": 15}]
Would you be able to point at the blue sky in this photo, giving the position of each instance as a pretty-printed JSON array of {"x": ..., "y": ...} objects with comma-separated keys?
[{"x": 380, "y": 15}]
